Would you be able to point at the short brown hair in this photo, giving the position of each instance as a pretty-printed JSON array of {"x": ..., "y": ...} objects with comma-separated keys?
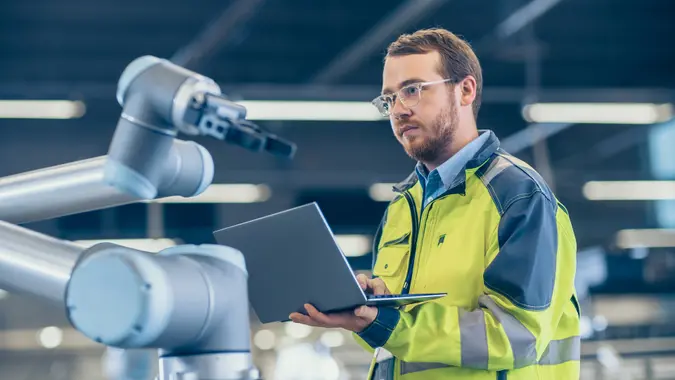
[{"x": 458, "y": 60}]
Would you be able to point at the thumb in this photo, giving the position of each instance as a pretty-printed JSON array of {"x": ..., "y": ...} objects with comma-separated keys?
[{"x": 368, "y": 313}]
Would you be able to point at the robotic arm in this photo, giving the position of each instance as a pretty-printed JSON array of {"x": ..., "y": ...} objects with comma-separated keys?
[
  {"x": 145, "y": 160},
  {"x": 190, "y": 302}
]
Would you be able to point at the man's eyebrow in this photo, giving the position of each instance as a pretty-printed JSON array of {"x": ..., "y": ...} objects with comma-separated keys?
[{"x": 402, "y": 84}]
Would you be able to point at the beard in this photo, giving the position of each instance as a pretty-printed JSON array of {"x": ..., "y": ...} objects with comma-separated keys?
[{"x": 442, "y": 131}]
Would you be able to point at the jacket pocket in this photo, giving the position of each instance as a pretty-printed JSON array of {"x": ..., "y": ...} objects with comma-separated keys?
[
  {"x": 401, "y": 240},
  {"x": 390, "y": 260}
]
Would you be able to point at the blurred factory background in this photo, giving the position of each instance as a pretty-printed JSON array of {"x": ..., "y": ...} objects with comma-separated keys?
[{"x": 606, "y": 146}]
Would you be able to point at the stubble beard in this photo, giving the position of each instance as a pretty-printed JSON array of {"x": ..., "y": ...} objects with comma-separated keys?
[{"x": 444, "y": 128}]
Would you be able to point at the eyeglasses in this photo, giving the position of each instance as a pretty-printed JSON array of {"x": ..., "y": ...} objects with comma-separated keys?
[{"x": 409, "y": 95}]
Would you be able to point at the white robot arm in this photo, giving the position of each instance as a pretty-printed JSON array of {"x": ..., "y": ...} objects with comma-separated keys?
[{"x": 190, "y": 302}]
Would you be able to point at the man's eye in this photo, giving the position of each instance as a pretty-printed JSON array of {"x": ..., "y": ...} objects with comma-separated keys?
[{"x": 412, "y": 90}]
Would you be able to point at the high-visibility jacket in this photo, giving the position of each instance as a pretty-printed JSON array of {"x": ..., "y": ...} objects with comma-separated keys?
[{"x": 502, "y": 247}]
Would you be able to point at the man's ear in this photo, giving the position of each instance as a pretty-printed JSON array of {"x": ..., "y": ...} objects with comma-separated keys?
[{"x": 467, "y": 88}]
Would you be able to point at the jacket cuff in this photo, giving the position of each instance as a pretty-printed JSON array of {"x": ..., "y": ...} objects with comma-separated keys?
[{"x": 378, "y": 333}]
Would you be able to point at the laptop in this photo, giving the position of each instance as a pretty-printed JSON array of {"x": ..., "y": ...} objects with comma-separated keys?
[{"x": 292, "y": 259}]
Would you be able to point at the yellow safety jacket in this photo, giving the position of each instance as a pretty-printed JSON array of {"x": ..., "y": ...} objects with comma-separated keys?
[{"x": 502, "y": 247}]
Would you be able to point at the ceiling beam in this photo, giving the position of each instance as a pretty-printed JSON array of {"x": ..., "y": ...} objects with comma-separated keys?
[
  {"x": 219, "y": 33},
  {"x": 523, "y": 17},
  {"x": 403, "y": 16},
  {"x": 607, "y": 147},
  {"x": 515, "y": 22},
  {"x": 531, "y": 135}
]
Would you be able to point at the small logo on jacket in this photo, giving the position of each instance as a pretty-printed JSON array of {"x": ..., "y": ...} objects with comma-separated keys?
[{"x": 441, "y": 239}]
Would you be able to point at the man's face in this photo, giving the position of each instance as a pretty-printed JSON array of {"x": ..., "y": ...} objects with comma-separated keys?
[{"x": 426, "y": 129}]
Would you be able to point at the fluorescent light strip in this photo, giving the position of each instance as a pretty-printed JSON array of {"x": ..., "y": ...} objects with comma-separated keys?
[
  {"x": 351, "y": 245},
  {"x": 629, "y": 190},
  {"x": 31, "y": 340},
  {"x": 310, "y": 110},
  {"x": 150, "y": 245},
  {"x": 382, "y": 192},
  {"x": 41, "y": 109},
  {"x": 598, "y": 113},
  {"x": 354, "y": 245},
  {"x": 225, "y": 193},
  {"x": 646, "y": 238}
]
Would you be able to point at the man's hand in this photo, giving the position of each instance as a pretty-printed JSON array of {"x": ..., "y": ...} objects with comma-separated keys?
[
  {"x": 372, "y": 285},
  {"x": 356, "y": 320}
]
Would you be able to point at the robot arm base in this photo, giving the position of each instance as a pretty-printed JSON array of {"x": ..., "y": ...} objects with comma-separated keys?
[{"x": 185, "y": 300}]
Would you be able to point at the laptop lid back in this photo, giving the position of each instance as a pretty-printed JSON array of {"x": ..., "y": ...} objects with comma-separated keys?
[{"x": 292, "y": 259}]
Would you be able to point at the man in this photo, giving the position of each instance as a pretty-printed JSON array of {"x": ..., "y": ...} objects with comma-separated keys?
[{"x": 471, "y": 221}]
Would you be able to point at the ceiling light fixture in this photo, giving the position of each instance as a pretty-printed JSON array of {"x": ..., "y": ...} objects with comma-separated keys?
[
  {"x": 629, "y": 190},
  {"x": 598, "y": 113},
  {"x": 310, "y": 110},
  {"x": 41, "y": 109},
  {"x": 225, "y": 193}
]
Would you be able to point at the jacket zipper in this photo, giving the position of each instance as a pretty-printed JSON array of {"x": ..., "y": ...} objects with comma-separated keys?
[
  {"x": 415, "y": 233},
  {"x": 413, "y": 242}
]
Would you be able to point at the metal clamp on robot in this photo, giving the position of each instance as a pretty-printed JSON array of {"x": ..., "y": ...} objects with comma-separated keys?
[{"x": 189, "y": 302}]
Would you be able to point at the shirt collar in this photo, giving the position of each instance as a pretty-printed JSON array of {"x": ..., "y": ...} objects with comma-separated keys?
[
  {"x": 449, "y": 169},
  {"x": 484, "y": 152}
]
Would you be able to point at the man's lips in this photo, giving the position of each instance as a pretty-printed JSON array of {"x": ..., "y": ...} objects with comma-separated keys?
[{"x": 406, "y": 128}]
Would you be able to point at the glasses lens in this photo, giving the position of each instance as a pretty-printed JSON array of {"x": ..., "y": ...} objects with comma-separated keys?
[
  {"x": 410, "y": 95},
  {"x": 382, "y": 105}
]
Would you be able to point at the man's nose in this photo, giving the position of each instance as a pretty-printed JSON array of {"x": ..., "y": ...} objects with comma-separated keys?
[{"x": 399, "y": 109}]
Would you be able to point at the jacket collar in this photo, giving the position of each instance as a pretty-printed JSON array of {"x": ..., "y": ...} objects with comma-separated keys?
[{"x": 488, "y": 149}]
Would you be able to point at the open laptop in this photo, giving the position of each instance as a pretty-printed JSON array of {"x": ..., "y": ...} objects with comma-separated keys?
[{"x": 292, "y": 259}]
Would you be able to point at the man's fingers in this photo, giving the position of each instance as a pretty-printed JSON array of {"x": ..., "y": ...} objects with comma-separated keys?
[
  {"x": 363, "y": 281},
  {"x": 317, "y": 316},
  {"x": 303, "y": 319},
  {"x": 379, "y": 287},
  {"x": 353, "y": 321},
  {"x": 372, "y": 285}
]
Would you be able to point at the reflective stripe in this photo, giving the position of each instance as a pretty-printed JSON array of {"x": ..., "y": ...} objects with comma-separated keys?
[
  {"x": 498, "y": 165},
  {"x": 419, "y": 367},
  {"x": 561, "y": 351},
  {"x": 381, "y": 354},
  {"x": 473, "y": 339},
  {"x": 474, "y": 345},
  {"x": 523, "y": 343},
  {"x": 557, "y": 352}
]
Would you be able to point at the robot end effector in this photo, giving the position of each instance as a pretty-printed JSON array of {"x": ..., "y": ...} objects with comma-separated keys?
[
  {"x": 161, "y": 99},
  {"x": 184, "y": 101}
]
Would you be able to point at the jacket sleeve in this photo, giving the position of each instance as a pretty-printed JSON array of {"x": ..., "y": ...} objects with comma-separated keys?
[
  {"x": 528, "y": 283},
  {"x": 376, "y": 242}
]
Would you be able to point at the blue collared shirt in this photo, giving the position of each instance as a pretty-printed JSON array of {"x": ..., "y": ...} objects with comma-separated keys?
[{"x": 440, "y": 179}]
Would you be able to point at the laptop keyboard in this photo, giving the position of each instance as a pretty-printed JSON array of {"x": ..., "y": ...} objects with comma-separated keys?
[{"x": 381, "y": 296}]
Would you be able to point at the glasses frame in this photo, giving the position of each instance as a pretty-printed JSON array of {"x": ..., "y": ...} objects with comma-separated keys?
[{"x": 397, "y": 95}]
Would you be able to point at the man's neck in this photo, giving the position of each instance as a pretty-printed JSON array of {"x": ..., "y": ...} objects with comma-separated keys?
[{"x": 462, "y": 137}]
